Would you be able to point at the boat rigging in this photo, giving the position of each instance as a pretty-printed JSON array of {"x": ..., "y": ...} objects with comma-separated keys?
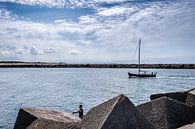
[{"x": 141, "y": 73}]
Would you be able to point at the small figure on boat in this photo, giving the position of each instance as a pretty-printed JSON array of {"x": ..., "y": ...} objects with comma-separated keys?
[{"x": 80, "y": 111}]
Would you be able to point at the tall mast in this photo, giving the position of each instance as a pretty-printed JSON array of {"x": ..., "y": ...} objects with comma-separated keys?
[{"x": 139, "y": 55}]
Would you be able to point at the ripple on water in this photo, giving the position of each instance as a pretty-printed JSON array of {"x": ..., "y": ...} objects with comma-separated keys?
[{"x": 64, "y": 89}]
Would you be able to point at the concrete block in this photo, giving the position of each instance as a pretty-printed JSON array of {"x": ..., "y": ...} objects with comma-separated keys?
[
  {"x": 190, "y": 99},
  {"x": 116, "y": 113},
  {"x": 167, "y": 113},
  {"x": 29, "y": 118},
  {"x": 179, "y": 96},
  {"x": 189, "y": 126}
]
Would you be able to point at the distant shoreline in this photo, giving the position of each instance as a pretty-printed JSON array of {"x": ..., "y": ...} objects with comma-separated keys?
[{"x": 15, "y": 64}]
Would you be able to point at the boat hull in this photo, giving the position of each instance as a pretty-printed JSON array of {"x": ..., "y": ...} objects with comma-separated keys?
[{"x": 141, "y": 75}]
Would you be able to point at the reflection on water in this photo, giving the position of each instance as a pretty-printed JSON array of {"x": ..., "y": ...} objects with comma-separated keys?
[{"x": 63, "y": 89}]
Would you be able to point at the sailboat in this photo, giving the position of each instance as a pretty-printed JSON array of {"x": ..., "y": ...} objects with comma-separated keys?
[{"x": 141, "y": 73}]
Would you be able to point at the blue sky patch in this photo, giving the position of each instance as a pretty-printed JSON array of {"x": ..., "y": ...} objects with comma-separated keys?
[{"x": 44, "y": 13}]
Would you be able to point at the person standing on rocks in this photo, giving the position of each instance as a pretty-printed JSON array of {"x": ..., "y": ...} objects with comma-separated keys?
[{"x": 80, "y": 111}]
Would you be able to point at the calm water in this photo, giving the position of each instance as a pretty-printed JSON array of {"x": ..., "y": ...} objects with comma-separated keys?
[{"x": 63, "y": 89}]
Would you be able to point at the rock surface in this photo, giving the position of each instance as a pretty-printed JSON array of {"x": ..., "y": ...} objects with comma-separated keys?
[
  {"x": 189, "y": 126},
  {"x": 29, "y": 118},
  {"x": 117, "y": 113},
  {"x": 190, "y": 99},
  {"x": 179, "y": 96},
  {"x": 166, "y": 113}
]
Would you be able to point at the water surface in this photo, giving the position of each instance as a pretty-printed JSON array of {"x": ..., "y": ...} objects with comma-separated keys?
[{"x": 64, "y": 89}]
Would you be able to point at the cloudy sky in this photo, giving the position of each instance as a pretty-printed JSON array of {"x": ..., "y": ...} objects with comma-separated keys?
[{"x": 97, "y": 31}]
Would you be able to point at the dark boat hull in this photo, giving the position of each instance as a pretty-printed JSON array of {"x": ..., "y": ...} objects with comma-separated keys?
[{"x": 141, "y": 75}]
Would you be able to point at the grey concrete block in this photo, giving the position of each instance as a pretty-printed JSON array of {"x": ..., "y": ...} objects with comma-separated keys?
[
  {"x": 167, "y": 113},
  {"x": 29, "y": 118},
  {"x": 117, "y": 113},
  {"x": 189, "y": 126},
  {"x": 179, "y": 96},
  {"x": 190, "y": 99}
]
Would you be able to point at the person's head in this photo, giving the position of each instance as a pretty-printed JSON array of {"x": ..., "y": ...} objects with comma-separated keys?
[{"x": 80, "y": 106}]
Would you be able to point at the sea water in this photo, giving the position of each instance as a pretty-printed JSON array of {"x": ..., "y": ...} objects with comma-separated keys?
[{"x": 63, "y": 89}]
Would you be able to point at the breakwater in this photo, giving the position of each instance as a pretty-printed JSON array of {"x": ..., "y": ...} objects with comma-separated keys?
[
  {"x": 66, "y": 65},
  {"x": 165, "y": 111}
]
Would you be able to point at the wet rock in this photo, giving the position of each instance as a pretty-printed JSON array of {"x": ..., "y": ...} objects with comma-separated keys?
[
  {"x": 179, "y": 96},
  {"x": 189, "y": 126},
  {"x": 29, "y": 118},
  {"x": 167, "y": 113},
  {"x": 190, "y": 99},
  {"x": 117, "y": 113}
]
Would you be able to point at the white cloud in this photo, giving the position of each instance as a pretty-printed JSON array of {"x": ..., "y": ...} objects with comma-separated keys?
[
  {"x": 34, "y": 50},
  {"x": 87, "y": 20},
  {"x": 4, "y": 14},
  {"x": 7, "y": 50},
  {"x": 75, "y": 52},
  {"x": 63, "y": 3},
  {"x": 110, "y": 1},
  {"x": 112, "y": 11},
  {"x": 105, "y": 35},
  {"x": 50, "y": 50}
]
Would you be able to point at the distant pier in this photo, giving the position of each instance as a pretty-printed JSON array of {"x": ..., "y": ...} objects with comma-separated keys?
[{"x": 13, "y": 64}]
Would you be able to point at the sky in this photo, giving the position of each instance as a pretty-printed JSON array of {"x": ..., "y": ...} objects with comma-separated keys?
[{"x": 97, "y": 31}]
